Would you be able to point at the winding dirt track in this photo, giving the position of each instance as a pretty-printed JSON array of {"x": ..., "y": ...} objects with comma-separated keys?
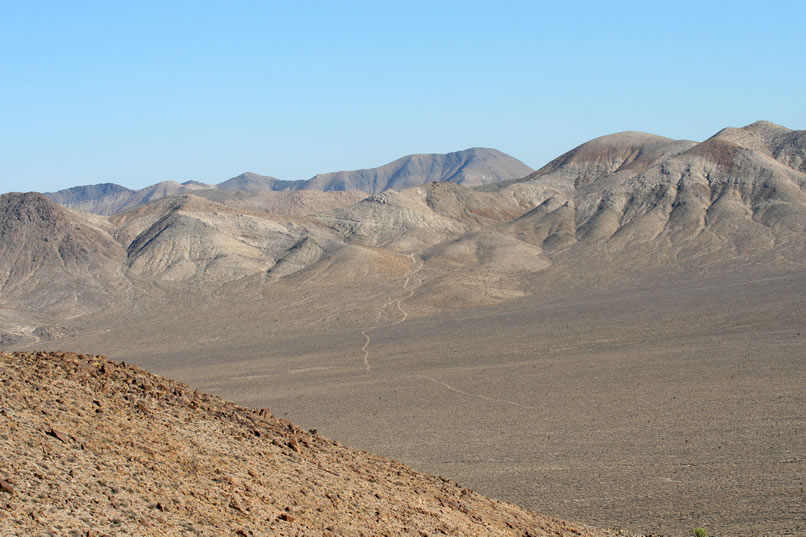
[
  {"x": 474, "y": 395},
  {"x": 365, "y": 332},
  {"x": 404, "y": 316}
]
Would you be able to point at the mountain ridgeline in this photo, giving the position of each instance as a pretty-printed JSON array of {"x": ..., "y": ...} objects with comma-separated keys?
[
  {"x": 625, "y": 200},
  {"x": 471, "y": 167}
]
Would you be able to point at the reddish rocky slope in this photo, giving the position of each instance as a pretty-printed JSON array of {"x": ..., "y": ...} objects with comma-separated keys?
[{"x": 92, "y": 447}]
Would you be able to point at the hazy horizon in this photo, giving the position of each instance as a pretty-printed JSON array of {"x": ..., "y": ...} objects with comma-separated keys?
[{"x": 137, "y": 94}]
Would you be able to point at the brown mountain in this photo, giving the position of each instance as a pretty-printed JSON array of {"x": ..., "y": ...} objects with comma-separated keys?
[
  {"x": 56, "y": 260},
  {"x": 110, "y": 198},
  {"x": 251, "y": 181},
  {"x": 784, "y": 145},
  {"x": 685, "y": 202},
  {"x": 471, "y": 167}
]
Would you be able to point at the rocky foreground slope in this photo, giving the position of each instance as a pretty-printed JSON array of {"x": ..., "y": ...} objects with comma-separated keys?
[{"x": 92, "y": 447}]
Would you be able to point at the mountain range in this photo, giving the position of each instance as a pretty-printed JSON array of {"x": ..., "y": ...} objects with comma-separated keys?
[
  {"x": 471, "y": 167},
  {"x": 629, "y": 199},
  {"x": 554, "y": 337}
]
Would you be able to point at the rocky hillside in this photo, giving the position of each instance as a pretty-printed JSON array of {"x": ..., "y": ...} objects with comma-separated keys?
[
  {"x": 93, "y": 447},
  {"x": 471, "y": 167},
  {"x": 42, "y": 243},
  {"x": 738, "y": 195}
]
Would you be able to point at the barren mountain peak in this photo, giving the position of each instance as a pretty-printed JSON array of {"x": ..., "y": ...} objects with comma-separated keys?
[
  {"x": 612, "y": 148},
  {"x": 250, "y": 181},
  {"x": 80, "y": 193},
  {"x": 470, "y": 167},
  {"x": 785, "y": 145},
  {"x": 761, "y": 123},
  {"x": 759, "y": 131},
  {"x": 254, "y": 176},
  {"x": 605, "y": 155},
  {"x": 49, "y": 256},
  {"x": 626, "y": 137},
  {"x": 28, "y": 209}
]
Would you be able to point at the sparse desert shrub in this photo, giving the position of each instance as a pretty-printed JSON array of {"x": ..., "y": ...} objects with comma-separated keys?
[{"x": 700, "y": 532}]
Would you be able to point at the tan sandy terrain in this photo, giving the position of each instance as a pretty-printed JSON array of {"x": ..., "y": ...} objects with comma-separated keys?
[
  {"x": 94, "y": 447},
  {"x": 611, "y": 408}
]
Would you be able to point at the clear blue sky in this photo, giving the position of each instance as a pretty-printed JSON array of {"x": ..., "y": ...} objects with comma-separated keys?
[{"x": 140, "y": 92}]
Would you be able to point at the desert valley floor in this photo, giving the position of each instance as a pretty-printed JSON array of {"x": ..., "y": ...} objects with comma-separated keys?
[{"x": 653, "y": 409}]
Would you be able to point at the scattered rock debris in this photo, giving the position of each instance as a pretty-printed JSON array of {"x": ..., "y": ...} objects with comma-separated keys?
[{"x": 85, "y": 441}]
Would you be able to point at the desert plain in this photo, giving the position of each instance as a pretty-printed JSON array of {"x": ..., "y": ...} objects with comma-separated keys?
[{"x": 655, "y": 408}]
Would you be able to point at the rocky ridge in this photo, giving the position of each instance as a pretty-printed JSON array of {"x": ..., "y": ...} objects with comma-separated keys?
[{"x": 92, "y": 447}]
